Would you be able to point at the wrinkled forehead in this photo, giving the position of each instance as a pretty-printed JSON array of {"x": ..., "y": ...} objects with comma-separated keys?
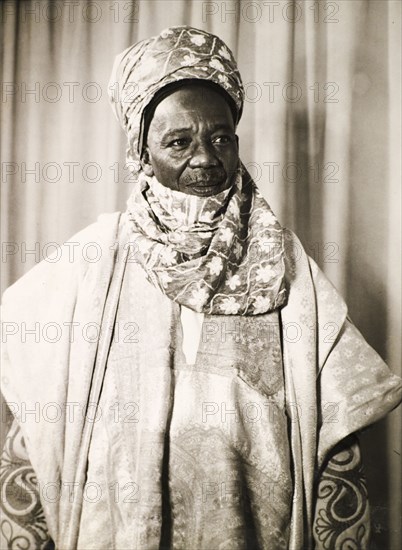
[
  {"x": 197, "y": 100},
  {"x": 189, "y": 112}
]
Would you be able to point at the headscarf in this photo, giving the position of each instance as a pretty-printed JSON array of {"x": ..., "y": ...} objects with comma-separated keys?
[{"x": 176, "y": 54}]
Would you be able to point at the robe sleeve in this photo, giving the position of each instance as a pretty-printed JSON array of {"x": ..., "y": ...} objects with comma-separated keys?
[
  {"x": 339, "y": 383},
  {"x": 55, "y": 369},
  {"x": 356, "y": 389}
]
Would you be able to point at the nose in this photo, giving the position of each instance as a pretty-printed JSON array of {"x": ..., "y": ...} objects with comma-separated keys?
[{"x": 203, "y": 156}]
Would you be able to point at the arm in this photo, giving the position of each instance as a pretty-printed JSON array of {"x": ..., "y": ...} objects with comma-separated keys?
[
  {"x": 22, "y": 521},
  {"x": 342, "y": 515}
]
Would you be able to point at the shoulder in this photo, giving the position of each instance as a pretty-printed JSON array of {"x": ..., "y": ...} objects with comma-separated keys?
[{"x": 69, "y": 262}]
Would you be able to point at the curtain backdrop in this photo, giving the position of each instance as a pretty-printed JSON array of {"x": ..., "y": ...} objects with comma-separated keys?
[{"x": 320, "y": 133}]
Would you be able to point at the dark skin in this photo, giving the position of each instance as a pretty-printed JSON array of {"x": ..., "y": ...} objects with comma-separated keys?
[{"x": 191, "y": 145}]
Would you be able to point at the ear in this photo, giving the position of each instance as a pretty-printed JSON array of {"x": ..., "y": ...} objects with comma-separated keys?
[{"x": 146, "y": 164}]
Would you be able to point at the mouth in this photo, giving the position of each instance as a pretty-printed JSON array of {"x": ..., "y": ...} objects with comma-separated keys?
[
  {"x": 204, "y": 183},
  {"x": 206, "y": 177},
  {"x": 205, "y": 188}
]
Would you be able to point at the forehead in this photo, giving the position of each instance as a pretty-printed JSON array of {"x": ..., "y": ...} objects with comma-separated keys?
[{"x": 198, "y": 103}]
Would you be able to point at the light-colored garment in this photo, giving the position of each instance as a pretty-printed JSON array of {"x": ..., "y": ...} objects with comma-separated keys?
[
  {"x": 220, "y": 255},
  {"x": 192, "y": 457},
  {"x": 320, "y": 368},
  {"x": 191, "y": 324}
]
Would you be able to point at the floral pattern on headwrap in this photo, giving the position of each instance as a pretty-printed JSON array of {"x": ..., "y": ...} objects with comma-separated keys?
[
  {"x": 177, "y": 53},
  {"x": 218, "y": 255}
]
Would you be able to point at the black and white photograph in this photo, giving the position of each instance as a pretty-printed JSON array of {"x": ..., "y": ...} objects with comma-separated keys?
[{"x": 201, "y": 275}]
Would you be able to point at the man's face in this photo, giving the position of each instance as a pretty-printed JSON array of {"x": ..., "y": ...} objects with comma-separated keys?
[{"x": 192, "y": 146}]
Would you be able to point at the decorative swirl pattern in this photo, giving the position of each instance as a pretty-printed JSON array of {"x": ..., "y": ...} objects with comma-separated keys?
[
  {"x": 342, "y": 511},
  {"x": 23, "y": 524}
]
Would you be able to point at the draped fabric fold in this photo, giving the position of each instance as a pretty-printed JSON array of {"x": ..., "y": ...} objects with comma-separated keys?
[
  {"x": 311, "y": 301},
  {"x": 320, "y": 74}
]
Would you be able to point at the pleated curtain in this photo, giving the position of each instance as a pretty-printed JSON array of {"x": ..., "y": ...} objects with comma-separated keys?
[{"x": 320, "y": 134}]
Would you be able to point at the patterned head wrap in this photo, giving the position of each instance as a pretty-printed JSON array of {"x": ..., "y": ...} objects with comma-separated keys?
[{"x": 176, "y": 54}]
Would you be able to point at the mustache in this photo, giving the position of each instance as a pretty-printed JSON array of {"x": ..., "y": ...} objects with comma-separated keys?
[{"x": 208, "y": 177}]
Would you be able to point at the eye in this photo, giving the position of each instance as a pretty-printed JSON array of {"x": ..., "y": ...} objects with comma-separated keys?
[
  {"x": 222, "y": 139},
  {"x": 179, "y": 143}
]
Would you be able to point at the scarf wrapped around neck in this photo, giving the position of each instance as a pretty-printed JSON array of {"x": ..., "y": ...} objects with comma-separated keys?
[{"x": 217, "y": 255}]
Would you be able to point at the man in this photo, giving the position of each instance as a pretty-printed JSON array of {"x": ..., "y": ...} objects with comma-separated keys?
[{"x": 189, "y": 420}]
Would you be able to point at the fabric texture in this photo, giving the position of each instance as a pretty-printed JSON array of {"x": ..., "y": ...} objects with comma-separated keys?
[
  {"x": 176, "y": 54},
  {"x": 199, "y": 456},
  {"x": 312, "y": 361},
  {"x": 191, "y": 323},
  {"x": 344, "y": 58},
  {"x": 222, "y": 254},
  {"x": 341, "y": 506},
  {"x": 22, "y": 520}
]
